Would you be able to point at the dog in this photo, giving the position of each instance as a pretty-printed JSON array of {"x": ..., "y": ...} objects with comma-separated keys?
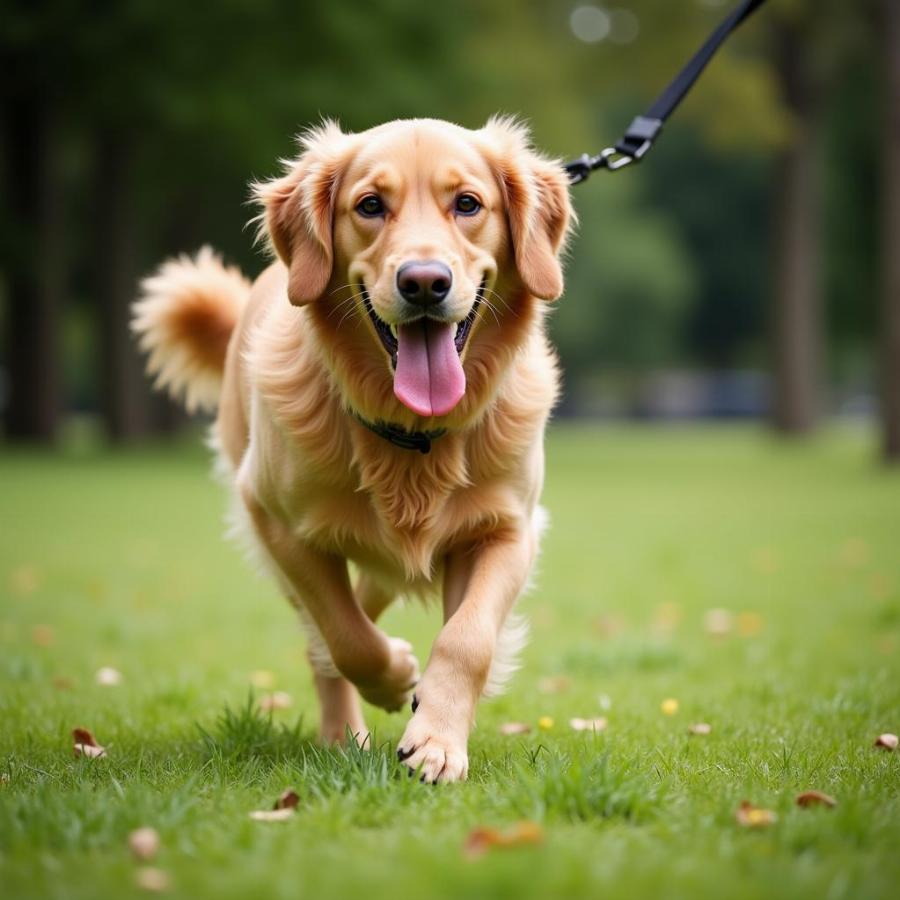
[{"x": 382, "y": 392}]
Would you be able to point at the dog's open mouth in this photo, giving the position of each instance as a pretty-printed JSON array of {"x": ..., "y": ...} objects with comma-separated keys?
[{"x": 425, "y": 354}]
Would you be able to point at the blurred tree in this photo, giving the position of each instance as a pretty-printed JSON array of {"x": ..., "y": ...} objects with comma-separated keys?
[
  {"x": 890, "y": 238},
  {"x": 33, "y": 230},
  {"x": 797, "y": 315}
]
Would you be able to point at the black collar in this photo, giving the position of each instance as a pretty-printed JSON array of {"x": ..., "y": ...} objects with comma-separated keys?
[{"x": 399, "y": 436}]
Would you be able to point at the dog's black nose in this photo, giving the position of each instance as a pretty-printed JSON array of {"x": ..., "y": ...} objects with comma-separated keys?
[{"x": 424, "y": 282}]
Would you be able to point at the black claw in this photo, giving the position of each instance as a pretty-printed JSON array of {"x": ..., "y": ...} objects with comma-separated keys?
[
  {"x": 404, "y": 754},
  {"x": 415, "y": 704}
]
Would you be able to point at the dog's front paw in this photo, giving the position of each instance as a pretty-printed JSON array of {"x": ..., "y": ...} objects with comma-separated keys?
[
  {"x": 392, "y": 688},
  {"x": 438, "y": 755}
]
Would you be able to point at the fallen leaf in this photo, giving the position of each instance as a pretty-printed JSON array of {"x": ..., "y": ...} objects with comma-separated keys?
[
  {"x": 480, "y": 840},
  {"x": 288, "y": 799},
  {"x": 717, "y": 622},
  {"x": 554, "y": 684},
  {"x": 545, "y": 723},
  {"x": 108, "y": 677},
  {"x": 515, "y": 728},
  {"x": 854, "y": 553},
  {"x": 765, "y": 561},
  {"x": 271, "y": 815},
  {"x": 25, "y": 580},
  {"x": 42, "y": 635},
  {"x": 150, "y": 879},
  {"x": 880, "y": 586},
  {"x": 814, "y": 798},
  {"x": 666, "y": 617},
  {"x": 598, "y": 724},
  {"x": 144, "y": 843},
  {"x": 669, "y": 706},
  {"x": 262, "y": 679},
  {"x": 749, "y": 624},
  {"x": 275, "y": 701},
  {"x": 887, "y": 741},
  {"x": 86, "y": 744},
  {"x": 750, "y": 816},
  {"x": 700, "y": 728},
  {"x": 62, "y": 683},
  {"x": 608, "y": 626}
]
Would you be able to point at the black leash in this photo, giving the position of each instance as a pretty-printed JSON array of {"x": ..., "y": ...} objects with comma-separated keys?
[{"x": 643, "y": 131}]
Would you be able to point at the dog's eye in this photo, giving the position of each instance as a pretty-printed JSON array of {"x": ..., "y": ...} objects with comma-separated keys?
[
  {"x": 467, "y": 204},
  {"x": 370, "y": 206}
]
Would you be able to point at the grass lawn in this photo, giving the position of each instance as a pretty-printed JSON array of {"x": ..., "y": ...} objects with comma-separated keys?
[{"x": 117, "y": 560}]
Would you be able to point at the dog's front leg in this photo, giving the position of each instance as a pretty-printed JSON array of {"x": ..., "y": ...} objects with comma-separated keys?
[
  {"x": 481, "y": 584},
  {"x": 383, "y": 669}
]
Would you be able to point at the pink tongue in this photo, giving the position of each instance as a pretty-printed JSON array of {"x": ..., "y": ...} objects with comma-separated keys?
[{"x": 429, "y": 378}]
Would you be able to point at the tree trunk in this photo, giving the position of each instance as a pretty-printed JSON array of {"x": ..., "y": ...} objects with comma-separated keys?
[
  {"x": 797, "y": 313},
  {"x": 34, "y": 268},
  {"x": 890, "y": 242},
  {"x": 124, "y": 391}
]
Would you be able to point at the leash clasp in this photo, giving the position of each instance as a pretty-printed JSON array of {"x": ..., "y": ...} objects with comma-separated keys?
[{"x": 611, "y": 158}]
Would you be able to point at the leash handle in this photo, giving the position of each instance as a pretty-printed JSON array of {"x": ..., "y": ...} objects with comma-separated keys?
[{"x": 643, "y": 131}]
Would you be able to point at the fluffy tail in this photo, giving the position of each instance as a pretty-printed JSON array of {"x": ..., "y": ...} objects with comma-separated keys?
[{"x": 184, "y": 319}]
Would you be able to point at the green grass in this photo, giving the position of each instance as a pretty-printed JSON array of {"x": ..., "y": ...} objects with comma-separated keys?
[{"x": 121, "y": 555}]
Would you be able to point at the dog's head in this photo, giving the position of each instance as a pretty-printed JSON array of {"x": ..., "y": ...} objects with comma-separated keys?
[{"x": 421, "y": 227}]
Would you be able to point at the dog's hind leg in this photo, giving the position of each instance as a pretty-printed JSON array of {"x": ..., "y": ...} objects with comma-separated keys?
[{"x": 339, "y": 702}]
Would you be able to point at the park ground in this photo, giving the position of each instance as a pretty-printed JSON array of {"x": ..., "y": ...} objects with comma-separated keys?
[{"x": 755, "y": 584}]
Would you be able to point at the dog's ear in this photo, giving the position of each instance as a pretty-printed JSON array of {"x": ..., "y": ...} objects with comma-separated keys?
[
  {"x": 298, "y": 211},
  {"x": 536, "y": 194}
]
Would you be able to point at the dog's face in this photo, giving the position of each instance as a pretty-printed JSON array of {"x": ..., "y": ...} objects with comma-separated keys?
[{"x": 423, "y": 225}]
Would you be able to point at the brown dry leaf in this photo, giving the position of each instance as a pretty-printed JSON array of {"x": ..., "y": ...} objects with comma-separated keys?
[
  {"x": 750, "y": 624},
  {"x": 666, "y": 617},
  {"x": 700, "y": 728},
  {"x": 515, "y": 728},
  {"x": 275, "y": 701},
  {"x": 887, "y": 741},
  {"x": 880, "y": 586},
  {"x": 262, "y": 679},
  {"x": 147, "y": 878},
  {"x": 144, "y": 843},
  {"x": 86, "y": 744},
  {"x": 554, "y": 684},
  {"x": 595, "y": 725},
  {"x": 480, "y": 840},
  {"x": 288, "y": 799},
  {"x": 43, "y": 635},
  {"x": 271, "y": 815},
  {"x": 717, "y": 622},
  {"x": 854, "y": 553},
  {"x": 108, "y": 677},
  {"x": 814, "y": 798},
  {"x": 765, "y": 561},
  {"x": 607, "y": 626},
  {"x": 63, "y": 683},
  {"x": 750, "y": 816},
  {"x": 25, "y": 580}
]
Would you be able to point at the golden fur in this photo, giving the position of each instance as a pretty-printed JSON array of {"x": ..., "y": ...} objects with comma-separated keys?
[{"x": 314, "y": 487}]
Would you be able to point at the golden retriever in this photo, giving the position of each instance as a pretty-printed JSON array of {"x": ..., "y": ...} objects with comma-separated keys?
[{"x": 382, "y": 391}]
